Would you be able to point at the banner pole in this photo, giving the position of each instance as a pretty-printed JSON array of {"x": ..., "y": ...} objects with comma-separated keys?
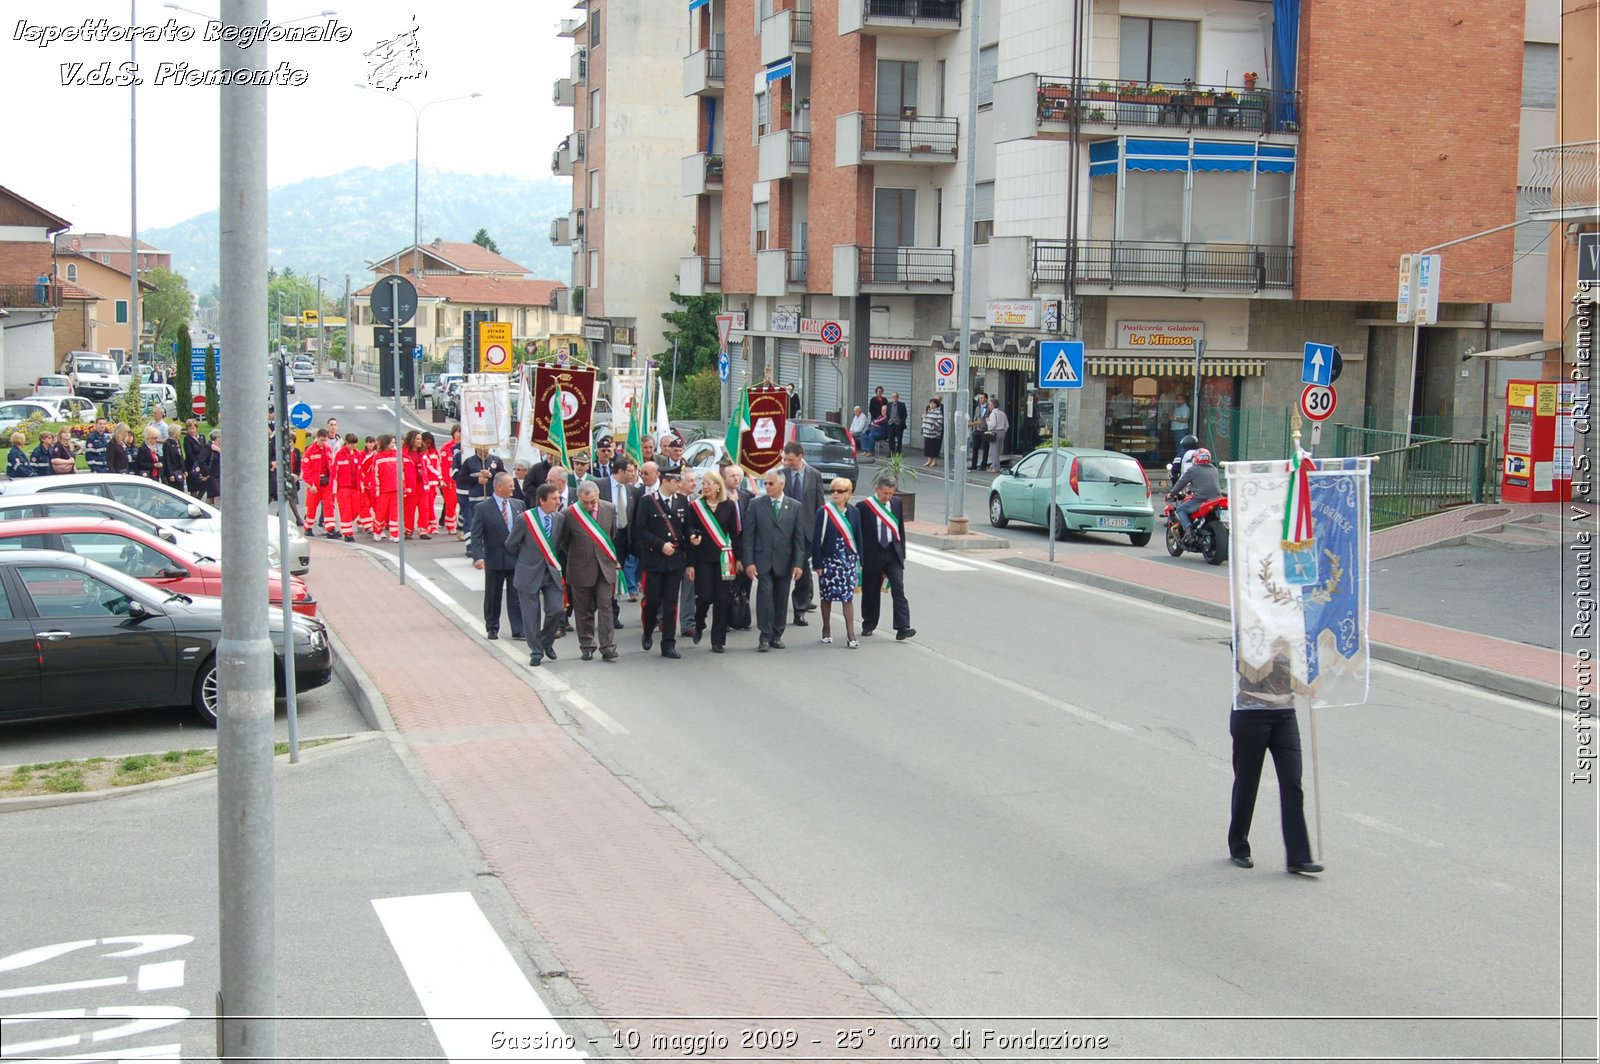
[{"x": 1316, "y": 778}]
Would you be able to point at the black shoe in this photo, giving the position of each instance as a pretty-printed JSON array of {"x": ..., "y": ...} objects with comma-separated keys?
[
  {"x": 866, "y": 632},
  {"x": 1243, "y": 861},
  {"x": 670, "y": 653},
  {"x": 648, "y": 640},
  {"x": 550, "y": 651},
  {"x": 616, "y": 621},
  {"x": 717, "y": 650},
  {"x": 1305, "y": 868},
  {"x": 588, "y": 655},
  {"x": 695, "y": 635},
  {"x": 800, "y": 620},
  {"x": 493, "y": 635},
  {"x": 608, "y": 655},
  {"x": 776, "y": 644},
  {"x": 349, "y": 539},
  {"x": 905, "y": 633},
  {"x": 533, "y": 662},
  {"x": 762, "y": 646}
]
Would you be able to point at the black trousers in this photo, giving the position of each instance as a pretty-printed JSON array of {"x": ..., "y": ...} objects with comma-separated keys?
[
  {"x": 805, "y": 590},
  {"x": 662, "y": 588},
  {"x": 872, "y": 596},
  {"x": 1256, "y": 731},
  {"x": 897, "y": 436},
  {"x": 977, "y": 449},
  {"x": 713, "y": 596},
  {"x": 496, "y": 585}
]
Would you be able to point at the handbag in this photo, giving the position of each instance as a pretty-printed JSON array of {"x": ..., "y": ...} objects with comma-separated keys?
[{"x": 739, "y": 609}]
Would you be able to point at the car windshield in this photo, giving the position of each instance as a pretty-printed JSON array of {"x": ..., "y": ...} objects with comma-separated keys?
[
  {"x": 94, "y": 365},
  {"x": 821, "y": 433}
]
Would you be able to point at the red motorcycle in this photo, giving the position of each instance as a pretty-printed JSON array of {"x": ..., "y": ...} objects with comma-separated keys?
[{"x": 1208, "y": 530}]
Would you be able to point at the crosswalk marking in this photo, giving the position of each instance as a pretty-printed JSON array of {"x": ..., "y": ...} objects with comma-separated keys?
[
  {"x": 462, "y": 570},
  {"x": 934, "y": 559}
]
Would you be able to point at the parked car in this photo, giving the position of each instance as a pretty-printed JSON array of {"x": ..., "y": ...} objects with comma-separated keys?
[
  {"x": 164, "y": 396},
  {"x": 141, "y": 556},
  {"x": 72, "y": 504},
  {"x": 703, "y": 454},
  {"x": 430, "y": 382},
  {"x": 92, "y": 374},
  {"x": 829, "y": 448},
  {"x": 452, "y": 400},
  {"x": 304, "y": 370},
  {"x": 52, "y": 384},
  {"x": 49, "y": 408},
  {"x": 78, "y": 637},
  {"x": 166, "y": 504},
  {"x": 1097, "y": 491}
]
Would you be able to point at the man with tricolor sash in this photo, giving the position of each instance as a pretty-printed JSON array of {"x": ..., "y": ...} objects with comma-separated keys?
[
  {"x": 883, "y": 556},
  {"x": 588, "y": 541},
  {"x": 537, "y": 579}
]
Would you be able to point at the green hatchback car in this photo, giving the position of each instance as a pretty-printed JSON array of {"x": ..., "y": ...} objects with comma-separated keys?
[{"x": 1098, "y": 491}]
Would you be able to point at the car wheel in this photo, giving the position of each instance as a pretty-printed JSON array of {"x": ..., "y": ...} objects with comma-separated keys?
[
  {"x": 1174, "y": 539},
  {"x": 1139, "y": 539},
  {"x": 207, "y": 692},
  {"x": 997, "y": 512},
  {"x": 1215, "y": 548}
]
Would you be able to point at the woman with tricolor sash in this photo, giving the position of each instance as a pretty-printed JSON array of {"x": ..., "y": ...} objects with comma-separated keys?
[
  {"x": 713, "y": 558},
  {"x": 836, "y": 558}
]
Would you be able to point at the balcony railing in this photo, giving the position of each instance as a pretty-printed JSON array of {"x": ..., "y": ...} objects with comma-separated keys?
[
  {"x": 575, "y": 142},
  {"x": 799, "y": 151},
  {"x": 30, "y": 295},
  {"x": 800, "y": 30},
  {"x": 716, "y": 64},
  {"x": 912, "y": 136},
  {"x": 1565, "y": 182},
  {"x": 1182, "y": 267},
  {"x": 919, "y": 10},
  {"x": 703, "y": 72},
  {"x": 712, "y": 273},
  {"x": 908, "y": 266},
  {"x": 1187, "y": 106},
  {"x": 797, "y": 268}
]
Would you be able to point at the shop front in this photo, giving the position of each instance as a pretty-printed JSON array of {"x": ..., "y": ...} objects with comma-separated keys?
[
  {"x": 1005, "y": 365},
  {"x": 1149, "y": 405}
]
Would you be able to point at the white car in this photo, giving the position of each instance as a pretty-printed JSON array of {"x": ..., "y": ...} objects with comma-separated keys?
[
  {"x": 48, "y": 407},
  {"x": 73, "y": 504},
  {"x": 304, "y": 370},
  {"x": 52, "y": 384},
  {"x": 92, "y": 374},
  {"x": 167, "y": 505}
]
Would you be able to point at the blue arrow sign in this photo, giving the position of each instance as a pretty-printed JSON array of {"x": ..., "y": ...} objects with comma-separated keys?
[
  {"x": 300, "y": 416},
  {"x": 1318, "y": 365},
  {"x": 722, "y": 367},
  {"x": 1061, "y": 364}
]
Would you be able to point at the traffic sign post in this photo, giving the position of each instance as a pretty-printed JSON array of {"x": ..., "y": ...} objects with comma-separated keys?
[
  {"x": 1060, "y": 366},
  {"x": 1318, "y": 402},
  {"x": 945, "y": 374},
  {"x": 723, "y": 366},
  {"x": 198, "y": 405},
  {"x": 300, "y": 416},
  {"x": 1317, "y": 365},
  {"x": 831, "y": 332}
]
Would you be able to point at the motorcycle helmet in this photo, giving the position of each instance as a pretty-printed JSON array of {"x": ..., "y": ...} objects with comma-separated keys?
[
  {"x": 1188, "y": 443},
  {"x": 1202, "y": 457}
]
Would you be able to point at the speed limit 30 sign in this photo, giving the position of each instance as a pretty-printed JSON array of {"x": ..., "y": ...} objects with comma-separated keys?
[{"x": 1318, "y": 402}]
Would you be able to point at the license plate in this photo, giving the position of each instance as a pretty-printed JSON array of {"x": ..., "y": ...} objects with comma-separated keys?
[{"x": 1115, "y": 522}]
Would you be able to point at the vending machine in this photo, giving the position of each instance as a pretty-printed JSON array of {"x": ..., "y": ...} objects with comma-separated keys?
[{"x": 1536, "y": 464}]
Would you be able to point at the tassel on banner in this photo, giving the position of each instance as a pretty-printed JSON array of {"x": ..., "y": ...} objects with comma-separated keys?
[{"x": 1299, "y": 535}]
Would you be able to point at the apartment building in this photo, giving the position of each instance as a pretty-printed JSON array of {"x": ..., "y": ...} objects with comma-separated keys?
[
  {"x": 627, "y": 223},
  {"x": 112, "y": 250},
  {"x": 1248, "y": 175},
  {"x": 1566, "y": 182}
]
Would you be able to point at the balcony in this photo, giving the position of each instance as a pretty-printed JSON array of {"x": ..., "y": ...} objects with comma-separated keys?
[
  {"x": 561, "y": 301},
  {"x": 571, "y": 27},
  {"x": 698, "y": 275},
  {"x": 575, "y": 222},
  {"x": 1565, "y": 183},
  {"x": 869, "y": 138},
  {"x": 1034, "y": 108},
  {"x": 580, "y": 66},
  {"x": 701, "y": 174},
  {"x": 905, "y": 18},
  {"x": 561, "y": 231},
  {"x": 561, "y": 159},
  {"x": 565, "y": 93},
  {"x": 1140, "y": 265},
  {"x": 784, "y": 154},
  {"x": 784, "y": 34},
  {"x": 703, "y": 72},
  {"x": 23, "y": 296},
  {"x": 861, "y": 270}
]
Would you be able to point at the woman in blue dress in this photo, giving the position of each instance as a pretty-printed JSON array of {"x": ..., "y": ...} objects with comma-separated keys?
[{"x": 835, "y": 556}]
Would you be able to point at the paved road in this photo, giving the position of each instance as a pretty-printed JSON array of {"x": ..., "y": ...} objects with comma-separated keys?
[
  {"x": 358, "y": 409},
  {"x": 1022, "y": 812}
]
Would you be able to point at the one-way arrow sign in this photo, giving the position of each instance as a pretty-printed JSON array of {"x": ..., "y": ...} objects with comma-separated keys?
[
  {"x": 1318, "y": 365},
  {"x": 1061, "y": 364}
]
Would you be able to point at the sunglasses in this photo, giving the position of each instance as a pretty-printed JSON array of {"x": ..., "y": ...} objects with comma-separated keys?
[{"x": 839, "y": 491}]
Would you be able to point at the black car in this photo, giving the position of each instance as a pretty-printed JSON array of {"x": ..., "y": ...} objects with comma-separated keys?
[
  {"x": 829, "y": 448},
  {"x": 78, "y": 637}
]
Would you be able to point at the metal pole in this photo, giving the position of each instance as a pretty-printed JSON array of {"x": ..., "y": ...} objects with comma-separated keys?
[
  {"x": 1194, "y": 393},
  {"x": 1316, "y": 778},
  {"x": 137, "y": 384},
  {"x": 247, "y": 1001},
  {"x": 280, "y": 387},
  {"x": 1411, "y": 385},
  {"x": 672, "y": 391},
  {"x": 1055, "y": 471},
  {"x": 964, "y": 355},
  {"x": 399, "y": 455},
  {"x": 416, "y": 218}
]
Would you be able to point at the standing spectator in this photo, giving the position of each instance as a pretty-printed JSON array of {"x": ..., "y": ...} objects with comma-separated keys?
[
  {"x": 1179, "y": 422},
  {"x": 41, "y": 290},
  {"x": 804, "y": 485},
  {"x": 119, "y": 451},
  {"x": 207, "y": 475},
  {"x": 149, "y": 460},
  {"x": 40, "y": 456},
  {"x": 774, "y": 552},
  {"x": 96, "y": 445},
  {"x": 158, "y": 421},
  {"x": 175, "y": 471},
  {"x": 714, "y": 559},
  {"x": 883, "y": 556},
  {"x": 978, "y": 433},
  {"x": 63, "y": 459},
  {"x": 449, "y": 463},
  {"x": 858, "y": 425},
  {"x": 18, "y": 462},
  {"x": 592, "y": 553},
  {"x": 932, "y": 432},
  {"x": 385, "y": 490},
  {"x": 996, "y": 426},
  {"x": 537, "y": 577},
  {"x": 1255, "y": 731},
  {"x": 317, "y": 468},
  {"x": 662, "y": 541},
  {"x": 898, "y": 417},
  {"x": 794, "y": 403},
  {"x": 836, "y": 556},
  {"x": 193, "y": 447},
  {"x": 876, "y": 404},
  {"x": 492, "y": 522},
  {"x": 431, "y": 479},
  {"x": 369, "y": 490}
]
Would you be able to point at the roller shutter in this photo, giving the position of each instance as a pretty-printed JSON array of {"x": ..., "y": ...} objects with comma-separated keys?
[{"x": 822, "y": 397}]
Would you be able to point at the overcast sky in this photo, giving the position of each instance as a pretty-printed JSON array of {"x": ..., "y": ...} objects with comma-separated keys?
[{"x": 68, "y": 148}]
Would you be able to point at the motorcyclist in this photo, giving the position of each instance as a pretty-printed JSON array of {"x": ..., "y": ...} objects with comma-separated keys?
[
  {"x": 1203, "y": 483},
  {"x": 1184, "y": 459}
]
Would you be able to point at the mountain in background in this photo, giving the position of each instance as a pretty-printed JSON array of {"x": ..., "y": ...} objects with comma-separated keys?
[{"x": 333, "y": 225}]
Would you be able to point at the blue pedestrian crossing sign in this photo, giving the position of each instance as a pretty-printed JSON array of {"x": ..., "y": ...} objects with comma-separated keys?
[
  {"x": 1318, "y": 365},
  {"x": 1061, "y": 364},
  {"x": 300, "y": 416},
  {"x": 722, "y": 367}
]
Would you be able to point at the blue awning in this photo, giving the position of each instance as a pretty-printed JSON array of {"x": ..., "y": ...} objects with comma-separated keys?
[
  {"x": 1158, "y": 156},
  {"x": 1224, "y": 158},
  {"x": 1202, "y": 157},
  {"x": 697, "y": 3},
  {"x": 1274, "y": 159},
  {"x": 781, "y": 69},
  {"x": 1103, "y": 155}
]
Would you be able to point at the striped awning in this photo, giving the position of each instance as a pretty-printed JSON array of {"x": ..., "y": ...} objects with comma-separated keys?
[
  {"x": 1175, "y": 367},
  {"x": 1022, "y": 363}
]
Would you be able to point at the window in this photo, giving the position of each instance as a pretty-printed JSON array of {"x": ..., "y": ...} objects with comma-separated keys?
[
  {"x": 1030, "y": 466},
  {"x": 594, "y": 109},
  {"x": 594, "y": 28},
  {"x": 988, "y": 67},
  {"x": 150, "y": 501},
  {"x": 983, "y": 212},
  {"x": 119, "y": 552},
  {"x": 5, "y": 603},
  {"x": 72, "y": 271},
  {"x": 594, "y": 269},
  {"x": 594, "y": 188},
  {"x": 122, "y": 312},
  {"x": 62, "y": 592},
  {"x": 104, "y": 258},
  {"x": 1159, "y": 50},
  {"x": 760, "y": 219},
  {"x": 34, "y": 542},
  {"x": 763, "y": 114},
  {"x": 1539, "y": 65}
]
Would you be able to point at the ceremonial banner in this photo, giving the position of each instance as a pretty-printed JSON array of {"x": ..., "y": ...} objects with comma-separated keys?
[
  {"x": 485, "y": 412},
  {"x": 569, "y": 389},
  {"x": 525, "y": 450},
  {"x": 1300, "y": 639},
  {"x": 627, "y": 390},
  {"x": 762, "y": 445}
]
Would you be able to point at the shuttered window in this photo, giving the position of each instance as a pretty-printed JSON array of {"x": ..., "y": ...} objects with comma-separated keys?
[
  {"x": 982, "y": 212},
  {"x": 988, "y": 67},
  {"x": 1539, "y": 63}
]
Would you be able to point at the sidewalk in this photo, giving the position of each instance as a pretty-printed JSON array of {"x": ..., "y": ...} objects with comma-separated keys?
[
  {"x": 1500, "y": 665},
  {"x": 646, "y": 924}
]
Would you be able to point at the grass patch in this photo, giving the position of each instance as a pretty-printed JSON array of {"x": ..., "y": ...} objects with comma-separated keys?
[{"x": 101, "y": 773}]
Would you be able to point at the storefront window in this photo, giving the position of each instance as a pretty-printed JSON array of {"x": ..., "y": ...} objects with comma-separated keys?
[{"x": 1147, "y": 416}]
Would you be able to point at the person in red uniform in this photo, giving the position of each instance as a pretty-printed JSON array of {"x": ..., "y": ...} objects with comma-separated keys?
[
  {"x": 317, "y": 471},
  {"x": 368, "y": 491},
  {"x": 347, "y": 485},
  {"x": 447, "y": 470},
  {"x": 411, "y": 469},
  {"x": 435, "y": 471},
  {"x": 386, "y": 485}
]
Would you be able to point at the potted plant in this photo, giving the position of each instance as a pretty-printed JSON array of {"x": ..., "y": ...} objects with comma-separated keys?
[
  {"x": 1097, "y": 114},
  {"x": 904, "y": 474},
  {"x": 1103, "y": 91},
  {"x": 1250, "y": 79}
]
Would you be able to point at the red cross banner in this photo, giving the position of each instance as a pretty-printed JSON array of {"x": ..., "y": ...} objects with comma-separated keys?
[
  {"x": 569, "y": 389},
  {"x": 762, "y": 445},
  {"x": 485, "y": 413}
]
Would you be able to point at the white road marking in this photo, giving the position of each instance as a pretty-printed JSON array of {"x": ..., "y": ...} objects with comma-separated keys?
[
  {"x": 1391, "y": 829},
  {"x": 462, "y": 570},
  {"x": 935, "y": 559},
  {"x": 362, "y": 408},
  {"x": 1022, "y": 689},
  {"x": 468, "y": 983},
  {"x": 336, "y": 406}
]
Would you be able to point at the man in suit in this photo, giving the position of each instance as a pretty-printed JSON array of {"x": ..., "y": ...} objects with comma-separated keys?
[
  {"x": 621, "y": 489},
  {"x": 592, "y": 570},
  {"x": 662, "y": 544},
  {"x": 883, "y": 554},
  {"x": 537, "y": 578},
  {"x": 538, "y": 473},
  {"x": 774, "y": 546},
  {"x": 804, "y": 485},
  {"x": 492, "y": 522},
  {"x": 898, "y": 418}
]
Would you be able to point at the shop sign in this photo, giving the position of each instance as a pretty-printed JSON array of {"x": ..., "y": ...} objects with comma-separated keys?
[
  {"x": 785, "y": 320},
  {"x": 594, "y": 332},
  {"x": 1013, "y": 314},
  {"x": 1160, "y": 335}
]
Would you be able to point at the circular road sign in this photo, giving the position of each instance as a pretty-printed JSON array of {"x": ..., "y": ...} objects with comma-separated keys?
[
  {"x": 497, "y": 357},
  {"x": 394, "y": 300},
  {"x": 831, "y": 333},
  {"x": 300, "y": 415},
  {"x": 947, "y": 366},
  {"x": 1318, "y": 402},
  {"x": 198, "y": 405},
  {"x": 722, "y": 367}
]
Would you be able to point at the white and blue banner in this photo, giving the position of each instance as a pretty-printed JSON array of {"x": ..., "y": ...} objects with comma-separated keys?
[{"x": 1300, "y": 643}]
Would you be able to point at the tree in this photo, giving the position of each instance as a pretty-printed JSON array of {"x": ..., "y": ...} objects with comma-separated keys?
[
  {"x": 213, "y": 406},
  {"x": 168, "y": 307},
  {"x": 184, "y": 385},
  {"x": 694, "y": 327},
  {"x": 290, "y": 294},
  {"x": 484, "y": 240},
  {"x": 698, "y": 397}
]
